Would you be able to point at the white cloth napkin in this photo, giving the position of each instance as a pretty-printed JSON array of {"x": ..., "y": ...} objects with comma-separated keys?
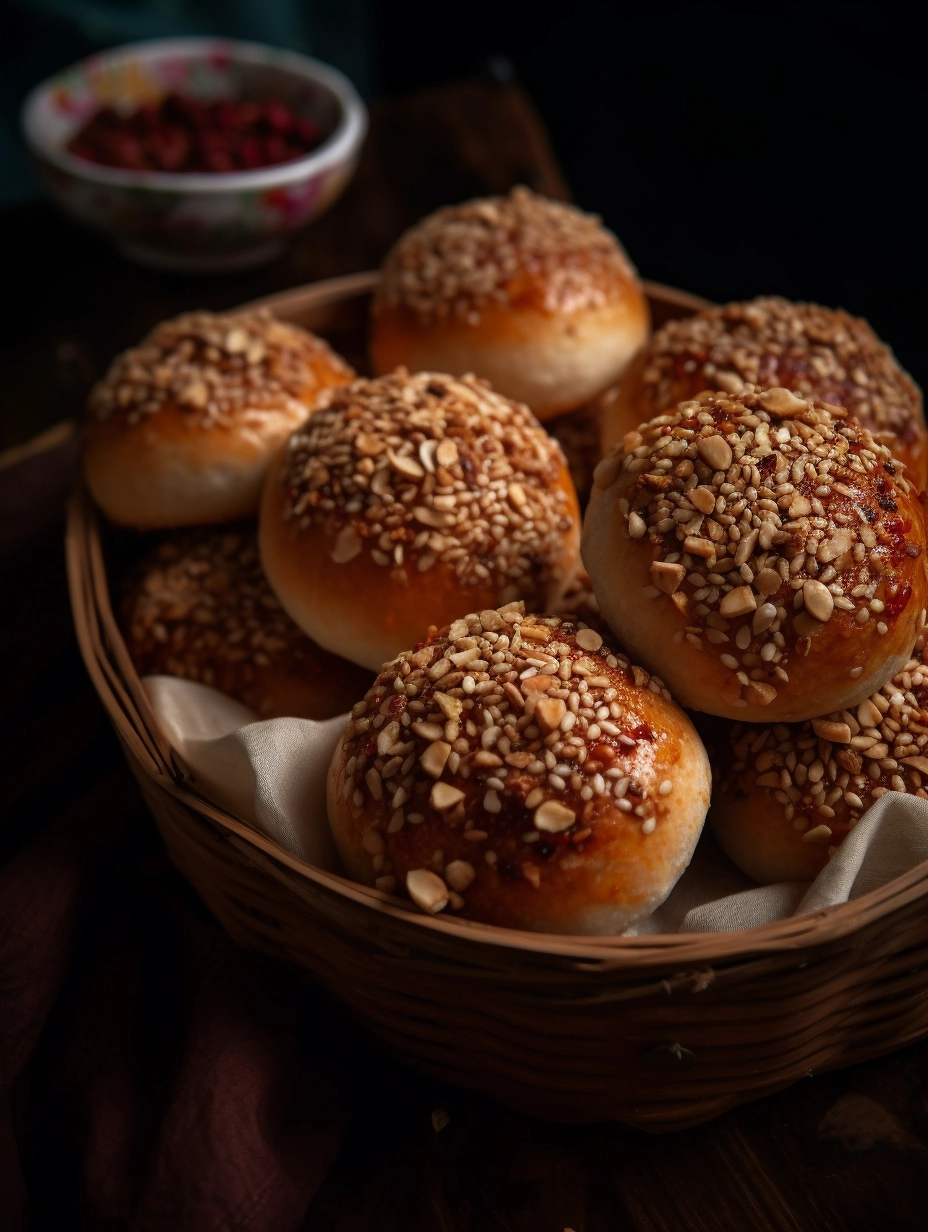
[
  {"x": 272, "y": 774},
  {"x": 268, "y": 772}
]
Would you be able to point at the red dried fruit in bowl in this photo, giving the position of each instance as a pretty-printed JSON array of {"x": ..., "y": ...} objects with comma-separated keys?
[{"x": 181, "y": 134}]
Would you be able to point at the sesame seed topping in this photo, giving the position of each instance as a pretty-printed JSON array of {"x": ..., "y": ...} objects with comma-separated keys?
[
  {"x": 459, "y": 874},
  {"x": 353, "y": 469},
  {"x": 198, "y": 606},
  {"x": 444, "y": 797},
  {"x": 427, "y": 890},
  {"x": 818, "y": 834},
  {"x": 818, "y": 599},
  {"x": 836, "y": 766},
  {"x": 535, "y": 763},
  {"x": 715, "y": 452},
  {"x": 466, "y": 258},
  {"x": 737, "y": 602},
  {"x": 216, "y": 368},
  {"x": 805, "y": 350},
  {"x": 588, "y": 639},
  {"x": 803, "y": 520},
  {"x": 435, "y": 757},
  {"x": 553, "y": 817}
]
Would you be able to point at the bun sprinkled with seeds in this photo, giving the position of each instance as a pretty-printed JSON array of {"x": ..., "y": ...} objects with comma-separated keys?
[
  {"x": 200, "y": 607},
  {"x": 182, "y": 428},
  {"x": 762, "y": 552},
  {"x": 786, "y": 795},
  {"x": 816, "y": 352},
  {"x": 519, "y": 771},
  {"x": 408, "y": 499},
  {"x": 534, "y": 295}
]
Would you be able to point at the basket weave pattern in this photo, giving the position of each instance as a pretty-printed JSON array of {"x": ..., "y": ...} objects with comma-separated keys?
[{"x": 661, "y": 1032}]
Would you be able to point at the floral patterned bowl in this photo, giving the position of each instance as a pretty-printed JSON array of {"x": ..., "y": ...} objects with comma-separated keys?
[{"x": 195, "y": 221}]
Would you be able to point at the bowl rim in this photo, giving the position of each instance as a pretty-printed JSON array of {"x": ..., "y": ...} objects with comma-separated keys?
[{"x": 343, "y": 143}]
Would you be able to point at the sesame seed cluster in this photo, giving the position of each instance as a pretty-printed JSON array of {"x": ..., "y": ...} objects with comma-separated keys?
[
  {"x": 516, "y": 734},
  {"x": 768, "y": 517},
  {"x": 770, "y": 341},
  {"x": 499, "y": 250},
  {"x": 415, "y": 470},
  {"x": 200, "y": 603},
  {"x": 214, "y": 367},
  {"x": 827, "y": 772}
]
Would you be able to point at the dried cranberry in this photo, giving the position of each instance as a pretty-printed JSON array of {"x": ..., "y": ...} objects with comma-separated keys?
[
  {"x": 275, "y": 149},
  {"x": 896, "y": 599},
  {"x": 226, "y": 115},
  {"x": 278, "y": 117},
  {"x": 182, "y": 134},
  {"x": 251, "y": 153},
  {"x": 308, "y": 132},
  {"x": 219, "y": 160},
  {"x": 641, "y": 732}
]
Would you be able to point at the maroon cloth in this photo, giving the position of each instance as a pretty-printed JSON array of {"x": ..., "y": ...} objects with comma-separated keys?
[{"x": 152, "y": 1074}]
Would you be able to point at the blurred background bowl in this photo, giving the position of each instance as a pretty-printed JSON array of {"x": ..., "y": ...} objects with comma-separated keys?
[{"x": 191, "y": 220}]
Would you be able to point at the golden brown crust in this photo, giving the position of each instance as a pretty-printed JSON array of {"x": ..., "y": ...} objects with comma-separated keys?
[
  {"x": 214, "y": 367},
  {"x": 816, "y": 352},
  {"x": 199, "y": 606},
  {"x": 786, "y": 795},
  {"x": 522, "y": 251},
  {"x": 516, "y": 770},
  {"x": 761, "y": 551},
  {"x": 408, "y": 498},
  {"x": 533, "y": 295},
  {"x": 182, "y": 428}
]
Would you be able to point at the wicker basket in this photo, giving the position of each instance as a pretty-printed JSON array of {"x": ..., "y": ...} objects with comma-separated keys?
[{"x": 660, "y": 1032}]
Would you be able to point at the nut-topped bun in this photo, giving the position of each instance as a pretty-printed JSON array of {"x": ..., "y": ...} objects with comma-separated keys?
[
  {"x": 518, "y": 771},
  {"x": 761, "y": 552},
  {"x": 199, "y": 606},
  {"x": 816, "y": 352},
  {"x": 532, "y": 294},
  {"x": 786, "y": 795},
  {"x": 409, "y": 499},
  {"x": 182, "y": 428}
]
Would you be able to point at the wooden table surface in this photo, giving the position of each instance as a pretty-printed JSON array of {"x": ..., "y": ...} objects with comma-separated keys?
[{"x": 846, "y": 1151}]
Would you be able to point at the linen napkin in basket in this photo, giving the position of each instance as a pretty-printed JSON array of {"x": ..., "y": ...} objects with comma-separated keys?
[{"x": 272, "y": 773}]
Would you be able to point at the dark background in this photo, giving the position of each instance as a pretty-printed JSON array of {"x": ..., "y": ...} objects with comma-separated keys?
[{"x": 735, "y": 150}]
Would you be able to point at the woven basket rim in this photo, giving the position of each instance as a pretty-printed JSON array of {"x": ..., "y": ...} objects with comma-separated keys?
[{"x": 125, "y": 700}]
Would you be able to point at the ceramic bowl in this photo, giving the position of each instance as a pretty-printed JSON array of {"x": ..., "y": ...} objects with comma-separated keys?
[{"x": 195, "y": 221}]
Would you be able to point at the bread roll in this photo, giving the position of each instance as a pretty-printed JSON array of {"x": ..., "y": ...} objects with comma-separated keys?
[
  {"x": 531, "y": 294},
  {"x": 408, "y": 500},
  {"x": 182, "y": 429},
  {"x": 786, "y": 795},
  {"x": 199, "y": 606},
  {"x": 816, "y": 352},
  {"x": 762, "y": 553},
  {"x": 519, "y": 771}
]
